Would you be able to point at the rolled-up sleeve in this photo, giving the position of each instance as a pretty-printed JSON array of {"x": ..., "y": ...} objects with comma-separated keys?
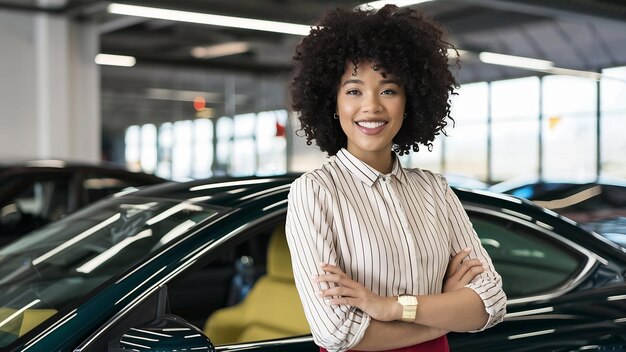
[
  {"x": 487, "y": 285},
  {"x": 311, "y": 240}
]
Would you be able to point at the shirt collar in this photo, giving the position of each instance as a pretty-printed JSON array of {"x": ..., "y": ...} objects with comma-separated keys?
[{"x": 367, "y": 174}]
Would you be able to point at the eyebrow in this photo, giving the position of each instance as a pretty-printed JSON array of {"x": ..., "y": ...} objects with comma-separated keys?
[{"x": 358, "y": 81}]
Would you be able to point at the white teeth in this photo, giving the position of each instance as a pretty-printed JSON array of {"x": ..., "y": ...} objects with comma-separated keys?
[{"x": 370, "y": 124}]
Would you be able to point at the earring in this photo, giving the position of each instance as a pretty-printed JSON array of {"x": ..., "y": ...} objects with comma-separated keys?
[
  {"x": 336, "y": 116},
  {"x": 404, "y": 115}
]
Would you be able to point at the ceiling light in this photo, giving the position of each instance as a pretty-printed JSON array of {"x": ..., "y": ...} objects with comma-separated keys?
[
  {"x": 208, "y": 19},
  {"x": 226, "y": 49},
  {"x": 115, "y": 60},
  {"x": 577, "y": 73},
  {"x": 515, "y": 61},
  {"x": 380, "y": 4},
  {"x": 535, "y": 65}
]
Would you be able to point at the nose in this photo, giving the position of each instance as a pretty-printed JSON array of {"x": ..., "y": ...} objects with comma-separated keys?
[{"x": 371, "y": 104}]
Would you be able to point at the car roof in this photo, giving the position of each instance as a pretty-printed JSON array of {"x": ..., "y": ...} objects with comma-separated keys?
[
  {"x": 250, "y": 193},
  {"x": 34, "y": 166},
  {"x": 229, "y": 192},
  {"x": 233, "y": 192}
]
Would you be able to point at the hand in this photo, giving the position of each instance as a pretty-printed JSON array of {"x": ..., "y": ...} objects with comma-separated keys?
[
  {"x": 460, "y": 272},
  {"x": 350, "y": 292}
]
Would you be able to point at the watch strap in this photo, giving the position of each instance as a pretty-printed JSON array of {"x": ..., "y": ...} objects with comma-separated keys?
[{"x": 409, "y": 307}]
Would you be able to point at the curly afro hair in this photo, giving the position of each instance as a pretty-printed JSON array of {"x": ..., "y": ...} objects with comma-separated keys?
[{"x": 401, "y": 41}]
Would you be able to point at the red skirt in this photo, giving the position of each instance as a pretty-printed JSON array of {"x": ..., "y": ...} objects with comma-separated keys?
[{"x": 439, "y": 344}]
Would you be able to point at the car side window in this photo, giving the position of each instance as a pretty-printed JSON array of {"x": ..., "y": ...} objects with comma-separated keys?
[
  {"x": 246, "y": 293},
  {"x": 529, "y": 261},
  {"x": 44, "y": 199},
  {"x": 99, "y": 186},
  {"x": 34, "y": 204}
]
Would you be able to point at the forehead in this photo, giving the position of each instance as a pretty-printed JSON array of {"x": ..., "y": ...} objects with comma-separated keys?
[{"x": 365, "y": 67}]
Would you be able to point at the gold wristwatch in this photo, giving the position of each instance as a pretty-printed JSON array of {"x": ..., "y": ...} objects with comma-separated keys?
[{"x": 409, "y": 307}]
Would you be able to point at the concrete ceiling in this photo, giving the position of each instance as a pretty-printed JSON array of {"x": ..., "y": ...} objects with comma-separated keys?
[{"x": 573, "y": 34}]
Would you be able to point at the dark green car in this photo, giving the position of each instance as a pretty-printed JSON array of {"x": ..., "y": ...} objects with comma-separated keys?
[{"x": 204, "y": 266}]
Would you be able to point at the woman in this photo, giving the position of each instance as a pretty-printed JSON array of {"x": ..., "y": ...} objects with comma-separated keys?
[{"x": 376, "y": 248}]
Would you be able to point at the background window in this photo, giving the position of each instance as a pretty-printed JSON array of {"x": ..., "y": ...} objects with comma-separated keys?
[
  {"x": 132, "y": 143},
  {"x": 224, "y": 143},
  {"x": 148, "y": 148},
  {"x": 569, "y": 127},
  {"x": 271, "y": 143},
  {"x": 515, "y": 128},
  {"x": 164, "y": 166},
  {"x": 243, "y": 158},
  {"x": 613, "y": 122},
  {"x": 181, "y": 155},
  {"x": 425, "y": 159},
  {"x": 203, "y": 148},
  {"x": 466, "y": 144}
]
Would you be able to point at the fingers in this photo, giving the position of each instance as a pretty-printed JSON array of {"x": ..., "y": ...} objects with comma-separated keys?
[
  {"x": 464, "y": 275},
  {"x": 466, "y": 267},
  {"x": 338, "y": 295},
  {"x": 470, "y": 274},
  {"x": 338, "y": 279},
  {"x": 336, "y": 275},
  {"x": 346, "y": 291},
  {"x": 341, "y": 301},
  {"x": 336, "y": 291},
  {"x": 329, "y": 268},
  {"x": 456, "y": 261}
]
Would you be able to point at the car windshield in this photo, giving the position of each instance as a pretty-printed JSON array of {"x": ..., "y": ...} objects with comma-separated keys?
[{"x": 51, "y": 267}]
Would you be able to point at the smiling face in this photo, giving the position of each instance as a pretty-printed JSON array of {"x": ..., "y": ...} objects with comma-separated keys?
[{"x": 370, "y": 109}]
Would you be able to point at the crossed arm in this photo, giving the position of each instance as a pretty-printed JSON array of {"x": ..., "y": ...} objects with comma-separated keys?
[{"x": 456, "y": 309}]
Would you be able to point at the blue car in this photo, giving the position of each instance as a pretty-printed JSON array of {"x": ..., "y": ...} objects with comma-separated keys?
[{"x": 598, "y": 205}]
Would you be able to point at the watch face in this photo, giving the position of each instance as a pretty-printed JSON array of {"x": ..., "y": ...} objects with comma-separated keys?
[{"x": 407, "y": 300}]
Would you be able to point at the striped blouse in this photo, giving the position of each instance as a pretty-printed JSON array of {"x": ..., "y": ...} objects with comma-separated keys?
[{"x": 393, "y": 233}]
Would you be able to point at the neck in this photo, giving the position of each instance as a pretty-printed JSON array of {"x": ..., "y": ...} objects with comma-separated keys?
[{"x": 381, "y": 161}]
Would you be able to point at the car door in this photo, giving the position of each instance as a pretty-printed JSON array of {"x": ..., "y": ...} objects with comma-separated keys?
[
  {"x": 219, "y": 281},
  {"x": 541, "y": 271}
]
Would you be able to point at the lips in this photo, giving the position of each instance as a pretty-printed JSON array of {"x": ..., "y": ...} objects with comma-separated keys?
[{"x": 371, "y": 127}]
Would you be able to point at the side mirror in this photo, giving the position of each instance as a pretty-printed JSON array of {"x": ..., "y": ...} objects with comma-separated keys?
[{"x": 167, "y": 332}]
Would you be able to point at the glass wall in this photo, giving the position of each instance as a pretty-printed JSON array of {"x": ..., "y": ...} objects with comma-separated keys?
[
  {"x": 528, "y": 127},
  {"x": 203, "y": 148},
  {"x": 425, "y": 159},
  {"x": 466, "y": 144},
  {"x": 569, "y": 127},
  {"x": 247, "y": 144},
  {"x": 515, "y": 128},
  {"x": 539, "y": 127},
  {"x": 613, "y": 122}
]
